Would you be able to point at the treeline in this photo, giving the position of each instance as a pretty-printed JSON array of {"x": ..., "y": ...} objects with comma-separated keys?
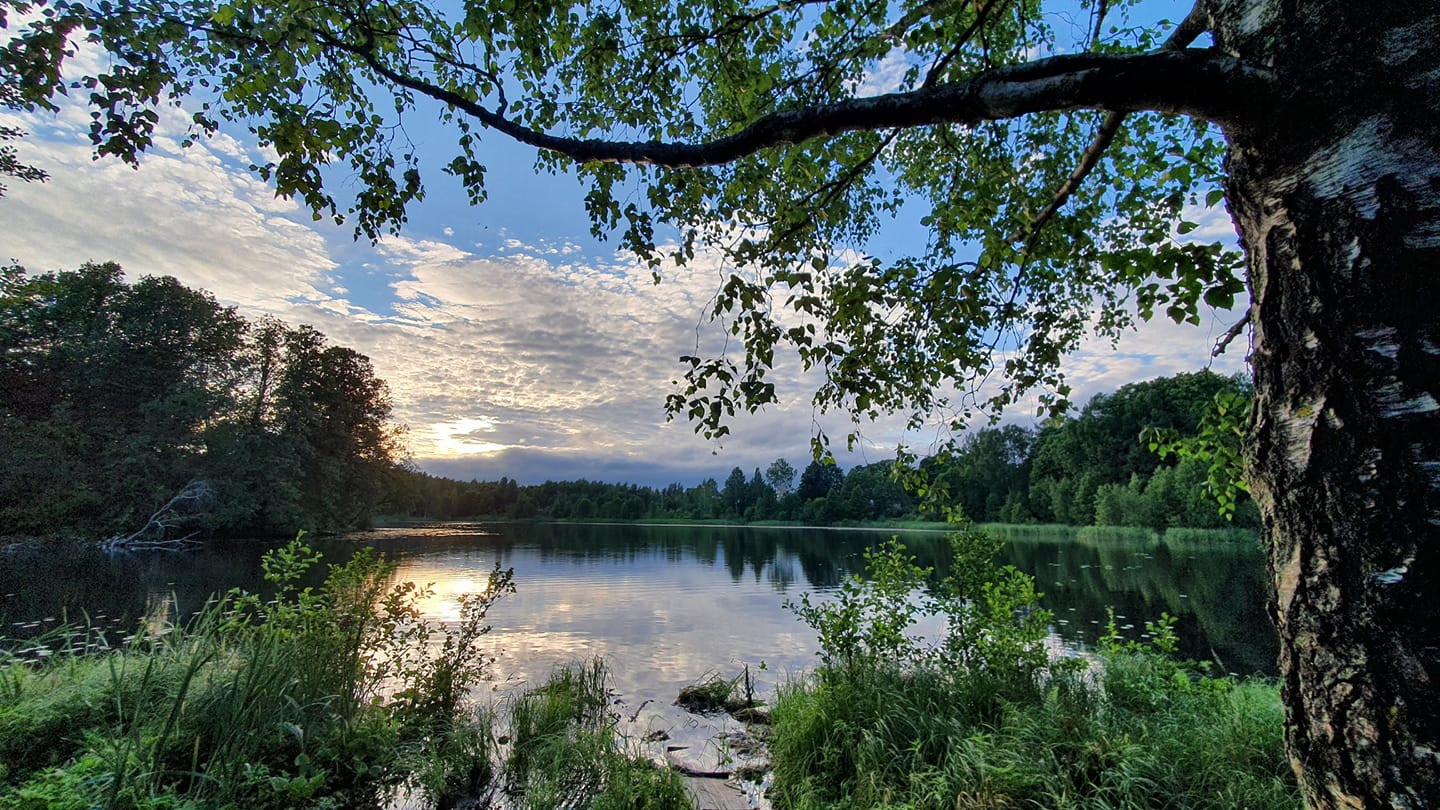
[
  {"x": 1092, "y": 468},
  {"x": 1095, "y": 468},
  {"x": 114, "y": 396},
  {"x": 824, "y": 494}
]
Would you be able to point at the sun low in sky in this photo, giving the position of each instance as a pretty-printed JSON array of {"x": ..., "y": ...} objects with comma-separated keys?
[{"x": 514, "y": 343}]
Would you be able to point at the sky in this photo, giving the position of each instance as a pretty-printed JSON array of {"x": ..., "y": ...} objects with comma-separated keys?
[{"x": 513, "y": 342}]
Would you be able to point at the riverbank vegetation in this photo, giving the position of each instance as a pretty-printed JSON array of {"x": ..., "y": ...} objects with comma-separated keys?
[
  {"x": 329, "y": 697},
  {"x": 344, "y": 696},
  {"x": 984, "y": 717},
  {"x": 341, "y": 696},
  {"x": 565, "y": 751}
]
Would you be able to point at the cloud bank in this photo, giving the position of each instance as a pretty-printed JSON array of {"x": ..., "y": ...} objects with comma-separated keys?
[{"x": 524, "y": 358}]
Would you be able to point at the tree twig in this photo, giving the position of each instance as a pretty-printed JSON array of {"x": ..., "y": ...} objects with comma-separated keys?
[
  {"x": 1230, "y": 334},
  {"x": 1184, "y": 34}
]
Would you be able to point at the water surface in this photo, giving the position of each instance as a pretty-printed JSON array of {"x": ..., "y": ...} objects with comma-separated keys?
[{"x": 665, "y": 605}]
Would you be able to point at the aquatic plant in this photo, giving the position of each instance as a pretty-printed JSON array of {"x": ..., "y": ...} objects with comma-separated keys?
[{"x": 566, "y": 752}]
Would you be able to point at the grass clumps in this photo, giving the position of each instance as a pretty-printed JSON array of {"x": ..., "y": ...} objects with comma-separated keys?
[
  {"x": 982, "y": 716},
  {"x": 566, "y": 752},
  {"x": 710, "y": 695},
  {"x": 336, "y": 697}
]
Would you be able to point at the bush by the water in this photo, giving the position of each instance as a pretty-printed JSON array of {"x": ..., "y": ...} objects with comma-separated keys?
[
  {"x": 345, "y": 697},
  {"x": 341, "y": 697},
  {"x": 985, "y": 717},
  {"x": 319, "y": 698}
]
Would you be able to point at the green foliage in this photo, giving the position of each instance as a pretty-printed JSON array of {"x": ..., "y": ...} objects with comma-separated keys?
[
  {"x": 986, "y": 470},
  {"x": 868, "y": 619},
  {"x": 1081, "y": 468},
  {"x": 985, "y": 719},
  {"x": 327, "y": 697},
  {"x": 780, "y": 476},
  {"x": 115, "y": 395},
  {"x": 994, "y": 629},
  {"x": 820, "y": 478},
  {"x": 1218, "y": 443},
  {"x": 10, "y": 165},
  {"x": 865, "y": 493},
  {"x": 915, "y": 332},
  {"x": 1096, "y": 467},
  {"x": 565, "y": 751},
  {"x": 711, "y": 694},
  {"x": 45, "y": 712}
]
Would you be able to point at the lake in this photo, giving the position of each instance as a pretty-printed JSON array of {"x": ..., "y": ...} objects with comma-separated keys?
[{"x": 666, "y": 605}]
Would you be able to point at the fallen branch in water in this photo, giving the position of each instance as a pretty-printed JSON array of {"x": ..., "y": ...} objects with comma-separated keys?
[{"x": 194, "y": 497}]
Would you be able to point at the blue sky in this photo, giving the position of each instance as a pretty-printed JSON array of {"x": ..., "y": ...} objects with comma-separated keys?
[{"x": 513, "y": 342}]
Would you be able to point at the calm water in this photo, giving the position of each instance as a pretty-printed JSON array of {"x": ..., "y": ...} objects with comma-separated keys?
[{"x": 665, "y": 605}]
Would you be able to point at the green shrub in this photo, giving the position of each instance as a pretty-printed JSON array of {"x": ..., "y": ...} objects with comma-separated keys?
[
  {"x": 45, "y": 712},
  {"x": 565, "y": 751},
  {"x": 325, "y": 697},
  {"x": 984, "y": 718}
]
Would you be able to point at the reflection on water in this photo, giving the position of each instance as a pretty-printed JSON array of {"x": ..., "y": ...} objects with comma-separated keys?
[{"x": 666, "y": 604}]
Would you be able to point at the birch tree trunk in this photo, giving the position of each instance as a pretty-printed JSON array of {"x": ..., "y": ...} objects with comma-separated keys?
[{"x": 1338, "y": 205}]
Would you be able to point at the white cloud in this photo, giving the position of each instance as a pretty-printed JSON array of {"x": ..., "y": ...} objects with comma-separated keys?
[
  {"x": 887, "y": 75},
  {"x": 539, "y": 356},
  {"x": 1214, "y": 224},
  {"x": 186, "y": 212}
]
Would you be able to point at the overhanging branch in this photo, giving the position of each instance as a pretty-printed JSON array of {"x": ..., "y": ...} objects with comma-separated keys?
[{"x": 1201, "y": 83}]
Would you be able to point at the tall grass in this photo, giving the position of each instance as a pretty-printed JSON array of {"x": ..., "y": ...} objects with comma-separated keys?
[
  {"x": 1208, "y": 537},
  {"x": 566, "y": 752},
  {"x": 1032, "y": 531},
  {"x": 1116, "y": 534},
  {"x": 328, "y": 698},
  {"x": 341, "y": 697},
  {"x": 985, "y": 719}
]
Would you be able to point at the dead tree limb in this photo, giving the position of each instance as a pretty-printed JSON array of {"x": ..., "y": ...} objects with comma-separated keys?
[{"x": 158, "y": 531}]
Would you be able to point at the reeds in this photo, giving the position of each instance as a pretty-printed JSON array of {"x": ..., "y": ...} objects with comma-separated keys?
[{"x": 565, "y": 750}]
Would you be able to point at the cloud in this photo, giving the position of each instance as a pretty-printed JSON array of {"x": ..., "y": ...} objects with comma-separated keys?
[
  {"x": 537, "y": 359},
  {"x": 887, "y": 75},
  {"x": 1214, "y": 225},
  {"x": 189, "y": 213},
  {"x": 528, "y": 360}
]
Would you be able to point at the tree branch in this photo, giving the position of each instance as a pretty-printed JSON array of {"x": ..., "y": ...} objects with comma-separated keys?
[
  {"x": 1202, "y": 83},
  {"x": 193, "y": 497},
  {"x": 1230, "y": 334},
  {"x": 1109, "y": 128},
  {"x": 1184, "y": 34}
]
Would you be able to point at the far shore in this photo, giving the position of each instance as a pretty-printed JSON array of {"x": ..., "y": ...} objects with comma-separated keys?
[{"x": 1009, "y": 530}]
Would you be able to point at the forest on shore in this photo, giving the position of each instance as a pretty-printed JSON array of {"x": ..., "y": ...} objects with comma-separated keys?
[
  {"x": 1093, "y": 468},
  {"x": 115, "y": 396}
]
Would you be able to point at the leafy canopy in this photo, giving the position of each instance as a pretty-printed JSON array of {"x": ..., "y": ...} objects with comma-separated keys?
[{"x": 1021, "y": 260}]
